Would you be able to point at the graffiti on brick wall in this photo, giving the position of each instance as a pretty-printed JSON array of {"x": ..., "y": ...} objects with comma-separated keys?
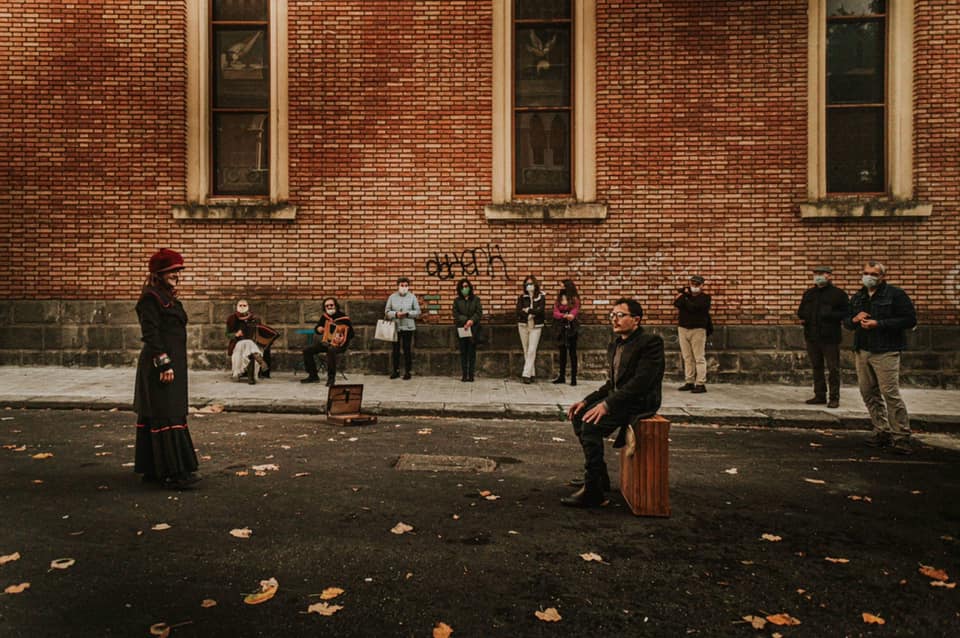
[{"x": 471, "y": 262}]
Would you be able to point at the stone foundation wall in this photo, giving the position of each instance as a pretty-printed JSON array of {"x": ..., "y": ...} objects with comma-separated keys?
[{"x": 106, "y": 333}]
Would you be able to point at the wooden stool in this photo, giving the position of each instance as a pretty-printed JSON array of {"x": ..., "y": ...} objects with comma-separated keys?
[{"x": 644, "y": 476}]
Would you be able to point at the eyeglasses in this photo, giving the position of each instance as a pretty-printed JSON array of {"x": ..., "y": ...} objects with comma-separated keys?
[
  {"x": 619, "y": 315},
  {"x": 872, "y": 274}
]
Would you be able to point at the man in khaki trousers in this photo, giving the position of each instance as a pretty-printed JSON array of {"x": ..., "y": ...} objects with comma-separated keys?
[
  {"x": 694, "y": 325},
  {"x": 881, "y": 314}
]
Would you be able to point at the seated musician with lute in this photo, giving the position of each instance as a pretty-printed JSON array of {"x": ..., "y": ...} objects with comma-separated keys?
[
  {"x": 332, "y": 335},
  {"x": 247, "y": 336}
]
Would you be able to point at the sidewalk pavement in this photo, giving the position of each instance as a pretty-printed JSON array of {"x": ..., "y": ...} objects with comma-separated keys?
[{"x": 752, "y": 405}]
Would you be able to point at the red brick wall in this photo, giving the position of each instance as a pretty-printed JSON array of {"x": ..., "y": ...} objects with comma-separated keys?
[{"x": 701, "y": 147}]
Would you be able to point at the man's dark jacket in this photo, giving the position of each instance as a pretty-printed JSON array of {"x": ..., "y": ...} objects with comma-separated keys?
[
  {"x": 821, "y": 311},
  {"x": 637, "y": 391},
  {"x": 892, "y": 309}
]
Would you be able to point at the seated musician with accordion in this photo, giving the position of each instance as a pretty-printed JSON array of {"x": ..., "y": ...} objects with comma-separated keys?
[
  {"x": 334, "y": 331},
  {"x": 247, "y": 336}
]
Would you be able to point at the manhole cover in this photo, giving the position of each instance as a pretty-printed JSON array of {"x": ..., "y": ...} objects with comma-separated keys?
[{"x": 444, "y": 463}]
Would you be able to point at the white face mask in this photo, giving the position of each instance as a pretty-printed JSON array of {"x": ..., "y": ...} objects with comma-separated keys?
[
  {"x": 403, "y": 290},
  {"x": 819, "y": 280},
  {"x": 694, "y": 289},
  {"x": 531, "y": 288},
  {"x": 870, "y": 281},
  {"x": 242, "y": 308}
]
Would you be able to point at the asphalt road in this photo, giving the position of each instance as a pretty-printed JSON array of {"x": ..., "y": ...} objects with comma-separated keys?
[{"x": 482, "y": 566}]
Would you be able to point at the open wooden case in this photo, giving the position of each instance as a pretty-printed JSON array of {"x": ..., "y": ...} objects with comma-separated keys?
[{"x": 343, "y": 405}]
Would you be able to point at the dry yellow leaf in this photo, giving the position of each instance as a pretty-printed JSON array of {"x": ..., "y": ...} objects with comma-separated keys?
[
  {"x": 590, "y": 556},
  {"x": 159, "y": 527},
  {"x": 268, "y": 589},
  {"x": 9, "y": 558},
  {"x": 22, "y": 448},
  {"x": 940, "y": 583},
  {"x": 783, "y": 619},
  {"x": 42, "y": 455},
  {"x": 757, "y": 622},
  {"x": 324, "y": 609},
  {"x": 933, "y": 572},
  {"x": 814, "y": 481},
  {"x": 401, "y": 528},
  {"x": 160, "y": 629},
  {"x": 485, "y": 492},
  {"x": 424, "y": 431},
  {"x": 243, "y": 532},
  {"x": 865, "y": 499},
  {"x": 330, "y": 593},
  {"x": 62, "y": 563},
  {"x": 836, "y": 560},
  {"x": 301, "y": 474},
  {"x": 442, "y": 630},
  {"x": 208, "y": 602},
  {"x": 870, "y": 619},
  {"x": 17, "y": 589},
  {"x": 548, "y": 615},
  {"x": 242, "y": 473},
  {"x": 773, "y": 538}
]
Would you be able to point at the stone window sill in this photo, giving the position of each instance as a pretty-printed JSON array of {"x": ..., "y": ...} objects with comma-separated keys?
[
  {"x": 865, "y": 209},
  {"x": 236, "y": 209},
  {"x": 546, "y": 211}
]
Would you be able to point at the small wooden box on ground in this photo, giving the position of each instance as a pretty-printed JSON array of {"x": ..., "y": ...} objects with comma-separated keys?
[
  {"x": 644, "y": 465},
  {"x": 343, "y": 405}
]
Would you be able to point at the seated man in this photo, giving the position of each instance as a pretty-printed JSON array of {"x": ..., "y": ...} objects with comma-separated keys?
[
  {"x": 632, "y": 391},
  {"x": 246, "y": 358},
  {"x": 332, "y": 335}
]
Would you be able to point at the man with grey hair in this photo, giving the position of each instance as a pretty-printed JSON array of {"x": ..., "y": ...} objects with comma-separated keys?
[{"x": 880, "y": 314}]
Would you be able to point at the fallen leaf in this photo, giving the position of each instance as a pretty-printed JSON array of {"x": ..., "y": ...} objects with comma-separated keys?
[
  {"x": 815, "y": 445},
  {"x": 491, "y": 497},
  {"x": 485, "y": 493},
  {"x": 103, "y": 454},
  {"x": 940, "y": 583},
  {"x": 424, "y": 431},
  {"x": 17, "y": 589},
  {"x": 758, "y": 622},
  {"x": 747, "y": 562},
  {"x": 773, "y": 538},
  {"x": 9, "y": 558},
  {"x": 548, "y": 615},
  {"x": 206, "y": 457},
  {"x": 263, "y": 468},
  {"x": 324, "y": 609},
  {"x": 159, "y": 527},
  {"x": 865, "y": 499},
  {"x": 442, "y": 630},
  {"x": 814, "y": 481},
  {"x": 933, "y": 572},
  {"x": 268, "y": 589},
  {"x": 243, "y": 532},
  {"x": 783, "y": 619},
  {"x": 836, "y": 560},
  {"x": 208, "y": 602},
  {"x": 42, "y": 455},
  {"x": 22, "y": 448},
  {"x": 731, "y": 470},
  {"x": 242, "y": 473},
  {"x": 160, "y": 629},
  {"x": 401, "y": 528},
  {"x": 590, "y": 556},
  {"x": 301, "y": 474},
  {"x": 259, "y": 473},
  {"x": 916, "y": 492},
  {"x": 559, "y": 439},
  {"x": 870, "y": 619},
  {"x": 330, "y": 593},
  {"x": 214, "y": 408},
  {"x": 62, "y": 563}
]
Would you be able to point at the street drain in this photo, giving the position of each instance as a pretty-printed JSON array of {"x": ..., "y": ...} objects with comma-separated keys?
[{"x": 444, "y": 463}]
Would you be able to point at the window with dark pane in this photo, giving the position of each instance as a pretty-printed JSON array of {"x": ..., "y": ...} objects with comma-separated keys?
[
  {"x": 856, "y": 90},
  {"x": 542, "y": 96},
  {"x": 240, "y": 104}
]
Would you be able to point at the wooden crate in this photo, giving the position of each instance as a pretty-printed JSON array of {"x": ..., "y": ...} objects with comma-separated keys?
[{"x": 644, "y": 475}]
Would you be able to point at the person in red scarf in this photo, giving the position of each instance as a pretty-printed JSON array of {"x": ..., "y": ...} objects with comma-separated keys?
[{"x": 164, "y": 450}]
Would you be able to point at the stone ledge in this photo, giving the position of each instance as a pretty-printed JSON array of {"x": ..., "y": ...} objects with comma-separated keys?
[
  {"x": 546, "y": 211},
  {"x": 860, "y": 208},
  {"x": 236, "y": 209}
]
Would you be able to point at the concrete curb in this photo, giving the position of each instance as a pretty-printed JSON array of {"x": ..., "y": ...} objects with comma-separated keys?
[{"x": 763, "y": 417}]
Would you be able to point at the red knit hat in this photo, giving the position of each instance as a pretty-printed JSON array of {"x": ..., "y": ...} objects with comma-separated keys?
[{"x": 165, "y": 260}]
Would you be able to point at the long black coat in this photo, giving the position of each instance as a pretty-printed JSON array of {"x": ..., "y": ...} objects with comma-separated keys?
[
  {"x": 821, "y": 311},
  {"x": 163, "y": 324},
  {"x": 638, "y": 387}
]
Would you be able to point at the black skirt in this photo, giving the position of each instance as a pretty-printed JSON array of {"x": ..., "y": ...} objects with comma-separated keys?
[{"x": 164, "y": 448}]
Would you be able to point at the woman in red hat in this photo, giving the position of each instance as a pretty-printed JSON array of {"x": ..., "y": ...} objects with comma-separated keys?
[{"x": 164, "y": 450}]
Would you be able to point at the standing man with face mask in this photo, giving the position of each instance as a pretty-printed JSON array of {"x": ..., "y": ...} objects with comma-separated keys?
[
  {"x": 403, "y": 307},
  {"x": 880, "y": 313},
  {"x": 821, "y": 310},
  {"x": 694, "y": 326}
]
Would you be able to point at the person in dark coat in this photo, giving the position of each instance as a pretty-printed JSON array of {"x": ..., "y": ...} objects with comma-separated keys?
[
  {"x": 164, "y": 450},
  {"x": 822, "y": 309},
  {"x": 467, "y": 313},
  {"x": 566, "y": 321},
  {"x": 337, "y": 323},
  {"x": 633, "y": 391},
  {"x": 693, "y": 327}
]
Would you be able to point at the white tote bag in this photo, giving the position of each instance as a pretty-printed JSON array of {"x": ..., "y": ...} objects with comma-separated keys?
[{"x": 386, "y": 330}]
